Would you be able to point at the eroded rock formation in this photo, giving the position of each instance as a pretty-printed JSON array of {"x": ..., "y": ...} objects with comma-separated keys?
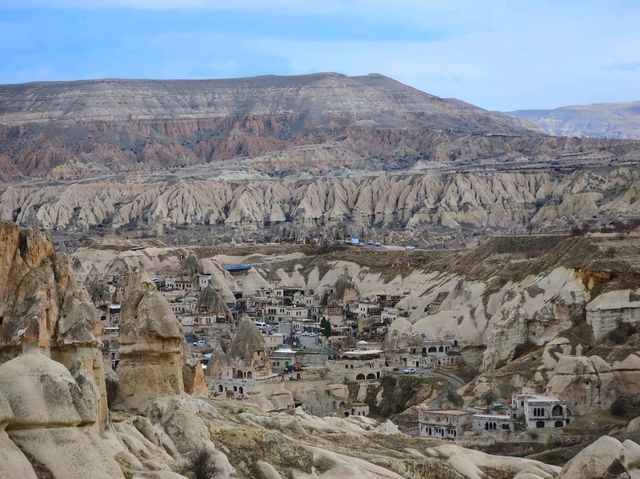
[
  {"x": 151, "y": 341},
  {"x": 515, "y": 202}
]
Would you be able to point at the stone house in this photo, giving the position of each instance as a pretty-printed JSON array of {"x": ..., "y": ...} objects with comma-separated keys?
[
  {"x": 540, "y": 412},
  {"x": 443, "y": 423},
  {"x": 492, "y": 423},
  {"x": 334, "y": 314},
  {"x": 356, "y": 365}
]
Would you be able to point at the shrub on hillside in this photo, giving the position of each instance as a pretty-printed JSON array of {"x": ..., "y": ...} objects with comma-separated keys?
[
  {"x": 201, "y": 464},
  {"x": 619, "y": 407}
]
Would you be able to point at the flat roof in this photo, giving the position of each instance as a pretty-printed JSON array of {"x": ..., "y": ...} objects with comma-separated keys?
[
  {"x": 363, "y": 352},
  {"x": 448, "y": 412},
  {"x": 493, "y": 416},
  {"x": 237, "y": 267},
  {"x": 542, "y": 399}
]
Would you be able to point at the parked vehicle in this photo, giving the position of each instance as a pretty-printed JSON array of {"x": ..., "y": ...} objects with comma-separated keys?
[
  {"x": 410, "y": 371},
  {"x": 199, "y": 343}
]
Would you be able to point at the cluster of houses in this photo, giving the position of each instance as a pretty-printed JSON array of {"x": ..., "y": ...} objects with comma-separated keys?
[
  {"x": 307, "y": 344},
  {"x": 286, "y": 315},
  {"x": 527, "y": 412}
]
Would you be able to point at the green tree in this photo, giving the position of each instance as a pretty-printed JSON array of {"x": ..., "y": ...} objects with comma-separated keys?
[{"x": 325, "y": 324}]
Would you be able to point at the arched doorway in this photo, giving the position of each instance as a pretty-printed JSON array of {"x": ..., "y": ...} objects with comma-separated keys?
[{"x": 360, "y": 377}]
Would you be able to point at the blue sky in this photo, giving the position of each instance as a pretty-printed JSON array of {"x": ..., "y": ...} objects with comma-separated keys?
[{"x": 498, "y": 54}]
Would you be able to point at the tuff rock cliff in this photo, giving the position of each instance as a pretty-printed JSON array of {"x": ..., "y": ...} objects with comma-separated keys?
[{"x": 510, "y": 202}]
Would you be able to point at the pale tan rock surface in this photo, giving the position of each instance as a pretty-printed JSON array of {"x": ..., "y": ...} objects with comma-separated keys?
[
  {"x": 604, "y": 458},
  {"x": 194, "y": 378},
  {"x": 609, "y": 310},
  {"x": 505, "y": 201},
  {"x": 151, "y": 342}
]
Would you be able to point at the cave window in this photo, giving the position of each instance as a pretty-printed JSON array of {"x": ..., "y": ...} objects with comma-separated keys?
[{"x": 558, "y": 424}]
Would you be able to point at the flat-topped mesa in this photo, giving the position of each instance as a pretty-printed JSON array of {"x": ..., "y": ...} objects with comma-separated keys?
[
  {"x": 87, "y": 128},
  {"x": 151, "y": 342},
  {"x": 248, "y": 354}
]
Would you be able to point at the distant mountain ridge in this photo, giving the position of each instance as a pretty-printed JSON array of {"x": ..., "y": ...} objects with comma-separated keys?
[
  {"x": 314, "y": 124},
  {"x": 322, "y": 97},
  {"x": 63, "y": 130},
  {"x": 599, "y": 120}
]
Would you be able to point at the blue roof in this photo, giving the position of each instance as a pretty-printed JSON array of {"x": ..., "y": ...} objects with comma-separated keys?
[{"x": 237, "y": 267}]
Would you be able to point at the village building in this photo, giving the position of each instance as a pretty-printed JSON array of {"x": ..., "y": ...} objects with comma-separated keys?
[
  {"x": 367, "y": 308},
  {"x": 357, "y": 365},
  {"x": 443, "y": 423},
  {"x": 357, "y": 409},
  {"x": 296, "y": 312},
  {"x": 287, "y": 293},
  {"x": 492, "y": 423},
  {"x": 305, "y": 299},
  {"x": 273, "y": 341},
  {"x": 334, "y": 314},
  {"x": 237, "y": 268},
  {"x": 282, "y": 359},
  {"x": 388, "y": 301},
  {"x": 540, "y": 412},
  {"x": 389, "y": 315},
  {"x": 275, "y": 313},
  {"x": 439, "y": 353}
]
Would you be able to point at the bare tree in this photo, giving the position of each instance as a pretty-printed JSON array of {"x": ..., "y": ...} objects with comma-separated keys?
[{"x": 201, "y": 464}]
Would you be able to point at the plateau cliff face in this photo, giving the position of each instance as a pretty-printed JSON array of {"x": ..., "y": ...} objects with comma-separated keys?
[
  {"x": 86, "y": 128},
  {"x": 602, "y": 120}
]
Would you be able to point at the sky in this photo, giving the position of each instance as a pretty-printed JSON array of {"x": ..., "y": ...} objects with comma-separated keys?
[{"x": 497, "y": 54}]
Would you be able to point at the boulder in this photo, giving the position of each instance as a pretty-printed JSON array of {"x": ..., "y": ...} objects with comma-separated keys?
[
  {"x": 605, "y": 458},
  {"x": 42, "y": 393}
]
